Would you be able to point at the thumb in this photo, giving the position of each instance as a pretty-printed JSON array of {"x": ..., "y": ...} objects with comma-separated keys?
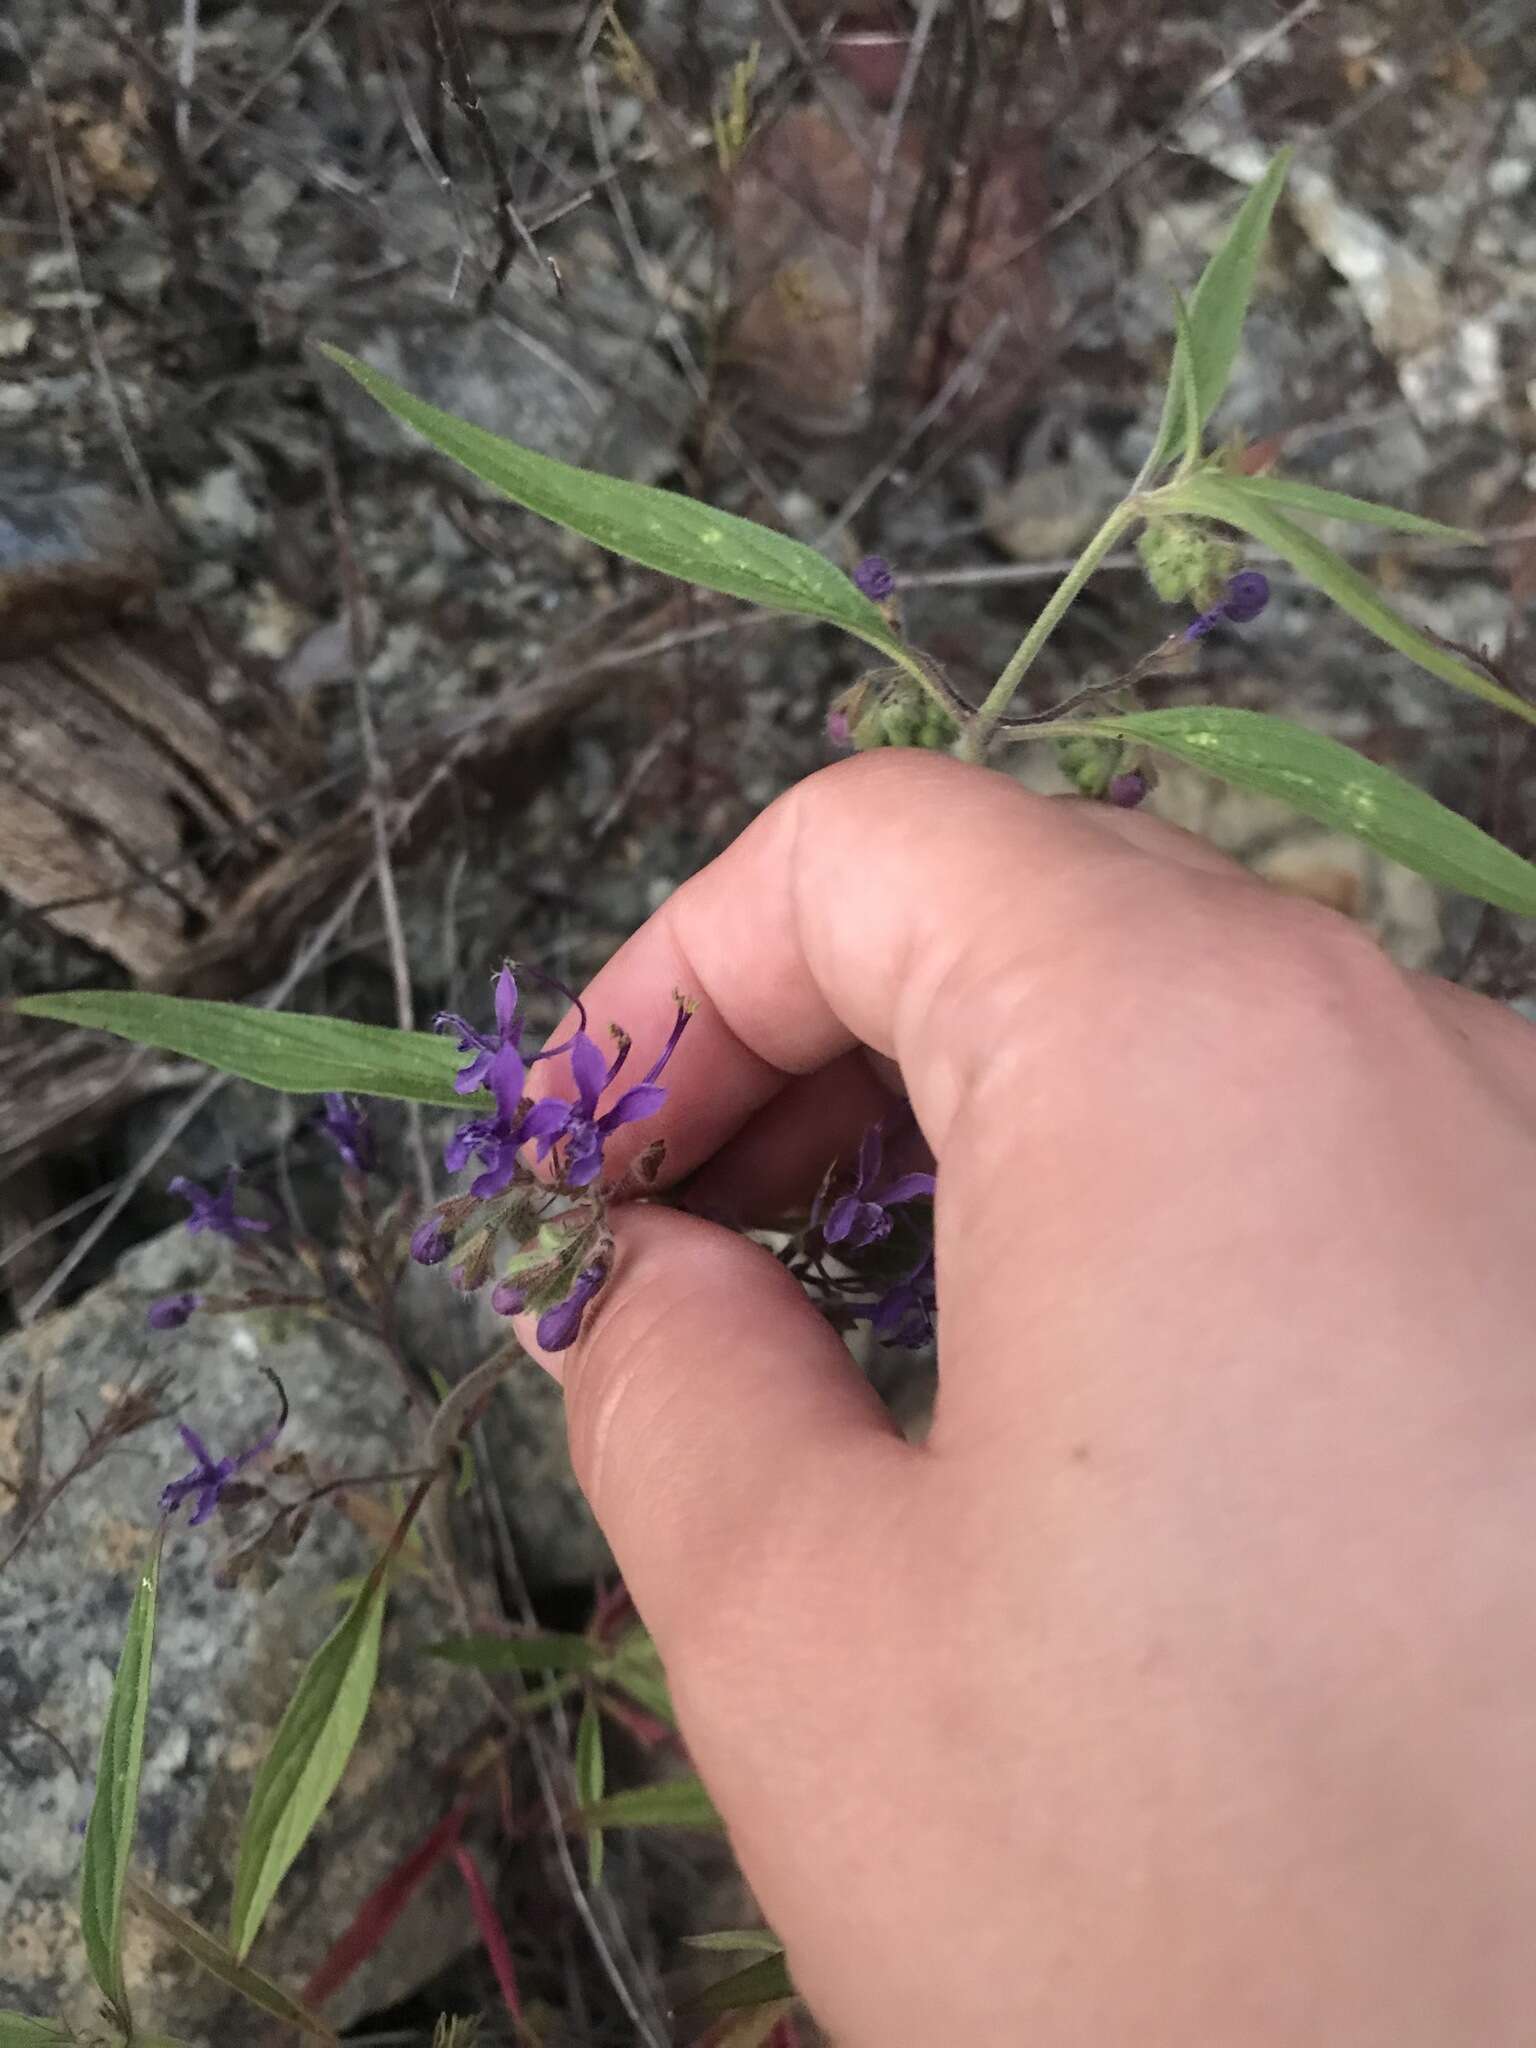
[{"x": 716, "y": 1420}]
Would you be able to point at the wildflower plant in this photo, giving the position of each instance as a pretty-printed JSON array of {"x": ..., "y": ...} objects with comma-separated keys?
[{"x": 534, "y": 1127}]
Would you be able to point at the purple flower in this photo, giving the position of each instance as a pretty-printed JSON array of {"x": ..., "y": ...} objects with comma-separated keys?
[
  {"x": 172, "y": 1310},
  {"x": 494, "y": 1140},
  {"x": 1128, "y": 790},
  {"x": 1245, "y": 597},
  {"x": 873, "y": 577},
  {"x": 864, "y": 1216},
  {"x": 496, "y": 1063},
  {"x": 559, "y": 1327},
  {"x": 577, "y": 1124},
  {"x": 485, "y": 1051},
  {"x": 345, "y": 1123},
  {"x": 904, "y": 1313},
  {"x": 430, "y": 1242},
  {"x": 211, "y": 1475},
  {"x": 217, "y": 1212}
]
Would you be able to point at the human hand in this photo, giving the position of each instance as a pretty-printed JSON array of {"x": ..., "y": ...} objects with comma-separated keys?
[{"x": 1182, "y": 1687}]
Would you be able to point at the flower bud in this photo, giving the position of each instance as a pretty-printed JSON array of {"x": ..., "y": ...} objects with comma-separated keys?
[
  {"x": 874, "y": 579},
  {"x": 1088, "y": 764},
  {"x": 508, "y": 1299},
  {"x": 1127, "y": 790},
  {"x": 430, "y": 1242}
]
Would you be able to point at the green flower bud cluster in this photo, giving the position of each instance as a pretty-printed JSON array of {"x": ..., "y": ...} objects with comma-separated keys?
[
  {"x": 1183, "y": 561},
  {"x": 889, "y": 709}
]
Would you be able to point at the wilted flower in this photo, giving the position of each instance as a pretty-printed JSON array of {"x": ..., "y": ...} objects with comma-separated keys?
[
  {"x": 577, "y": 1125},
  {"x": 211, "y": 1475},
  {"x": 873, "y": 577},
  {"x": 863, "y": 1216},
  {"x": 345, "y": 1123},
  {"x": 1245, "y": 597},
  {"x": 172, "y": 1310},
  {"x": 560, "y": 1326},
  {"x": 217, "y": 1212}
]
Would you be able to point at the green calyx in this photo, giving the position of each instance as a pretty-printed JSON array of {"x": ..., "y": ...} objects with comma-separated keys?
[
  {"x": 901, "y": 714},
  {"x": 1183, "y": 561}
]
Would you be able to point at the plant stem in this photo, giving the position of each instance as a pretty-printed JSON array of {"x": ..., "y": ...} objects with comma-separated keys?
[{"x": 974, "y": 742}]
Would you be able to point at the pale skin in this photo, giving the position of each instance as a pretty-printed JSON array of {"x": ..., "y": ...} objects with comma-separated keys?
[{"x": 1181, "y": 1688}]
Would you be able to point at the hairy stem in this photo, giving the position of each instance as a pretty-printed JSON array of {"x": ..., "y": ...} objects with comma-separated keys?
[{"x": 976, "y": 739}]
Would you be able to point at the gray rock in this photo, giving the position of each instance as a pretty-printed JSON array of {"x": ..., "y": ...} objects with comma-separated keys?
[
  {"x": 583, "y": 377},
  {"x": 71, "y": 554},
  {"x": 225, "y": 1663}
]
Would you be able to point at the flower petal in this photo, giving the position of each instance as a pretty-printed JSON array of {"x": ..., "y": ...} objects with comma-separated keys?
[
  {"x": 505, "y": 1076},
  {"x": 546, "y": 1120},
  {"x": 589, "y": 1070},
  {"x": 584, "y": 1159},
  {"x": 840, "y": 1218},
  {"x": 907, "y": 1189},
  {"x": 640, "y": 1101},
  {"x": 195, "y": 1445},
  {"x": 506, "y": 1007}
]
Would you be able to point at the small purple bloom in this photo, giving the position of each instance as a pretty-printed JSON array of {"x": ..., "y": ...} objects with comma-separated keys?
[
  {"x": 485, "y": 1051},
  {"x": 1245, "y": 597},
  {"x": 430, "y": 1242},
  {"x": 839, "y": 731},
  {"x": 1128, "y": 790},
  {"x": 497, "y": 1063},
  {"x": 172, "y": 1310},
  {"x": 217, "y": 1212},
  {"x": 863, "y": 1216},
  {"x": 345, "y": 1123},
  {"x": 577, "y": 1124},
  {"x": 873, "y": 577},
  {"x": 211, "y": 1475},
  {"x": 904, "y": 1313},
  {"x": 559, "y": 1327}
]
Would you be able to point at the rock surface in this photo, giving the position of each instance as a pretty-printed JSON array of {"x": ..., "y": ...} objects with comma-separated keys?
[
  {"x": 71, "y": 554},
  {"x": 225, "y": 1663}
]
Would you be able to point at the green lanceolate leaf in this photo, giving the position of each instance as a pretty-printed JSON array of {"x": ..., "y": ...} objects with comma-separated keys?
[
  {"x": 753, "y": 2028},
  {"x": 1184, "y": 362},
  {"x": 591, "y": 1774},
  {"x": 275, "y": 1048},
  {"x": 109, "y": 1831},
  {"x": 1291, "y": 495},
  {"x": 211, "y": 1955},
  {"x": 679, "y": 1803},
  {"x": 1226, "y": 498},
  {"x": 738, "y": 1941},
  {"x": 634, "y": 1666},
  {"x": 519, "y": 1653},
  {"x": 756, "y": 1984},
  {"x": 308, "y": 1755},
  {"x": 659, "y": 529},
  {"x": 1338, "y": 787},
  {"x": 17, "y": 2031},
  {"x": 1217, "y": 309}
]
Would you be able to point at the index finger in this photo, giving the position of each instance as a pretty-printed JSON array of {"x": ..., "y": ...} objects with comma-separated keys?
[{"x": 901, "y": 900}]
